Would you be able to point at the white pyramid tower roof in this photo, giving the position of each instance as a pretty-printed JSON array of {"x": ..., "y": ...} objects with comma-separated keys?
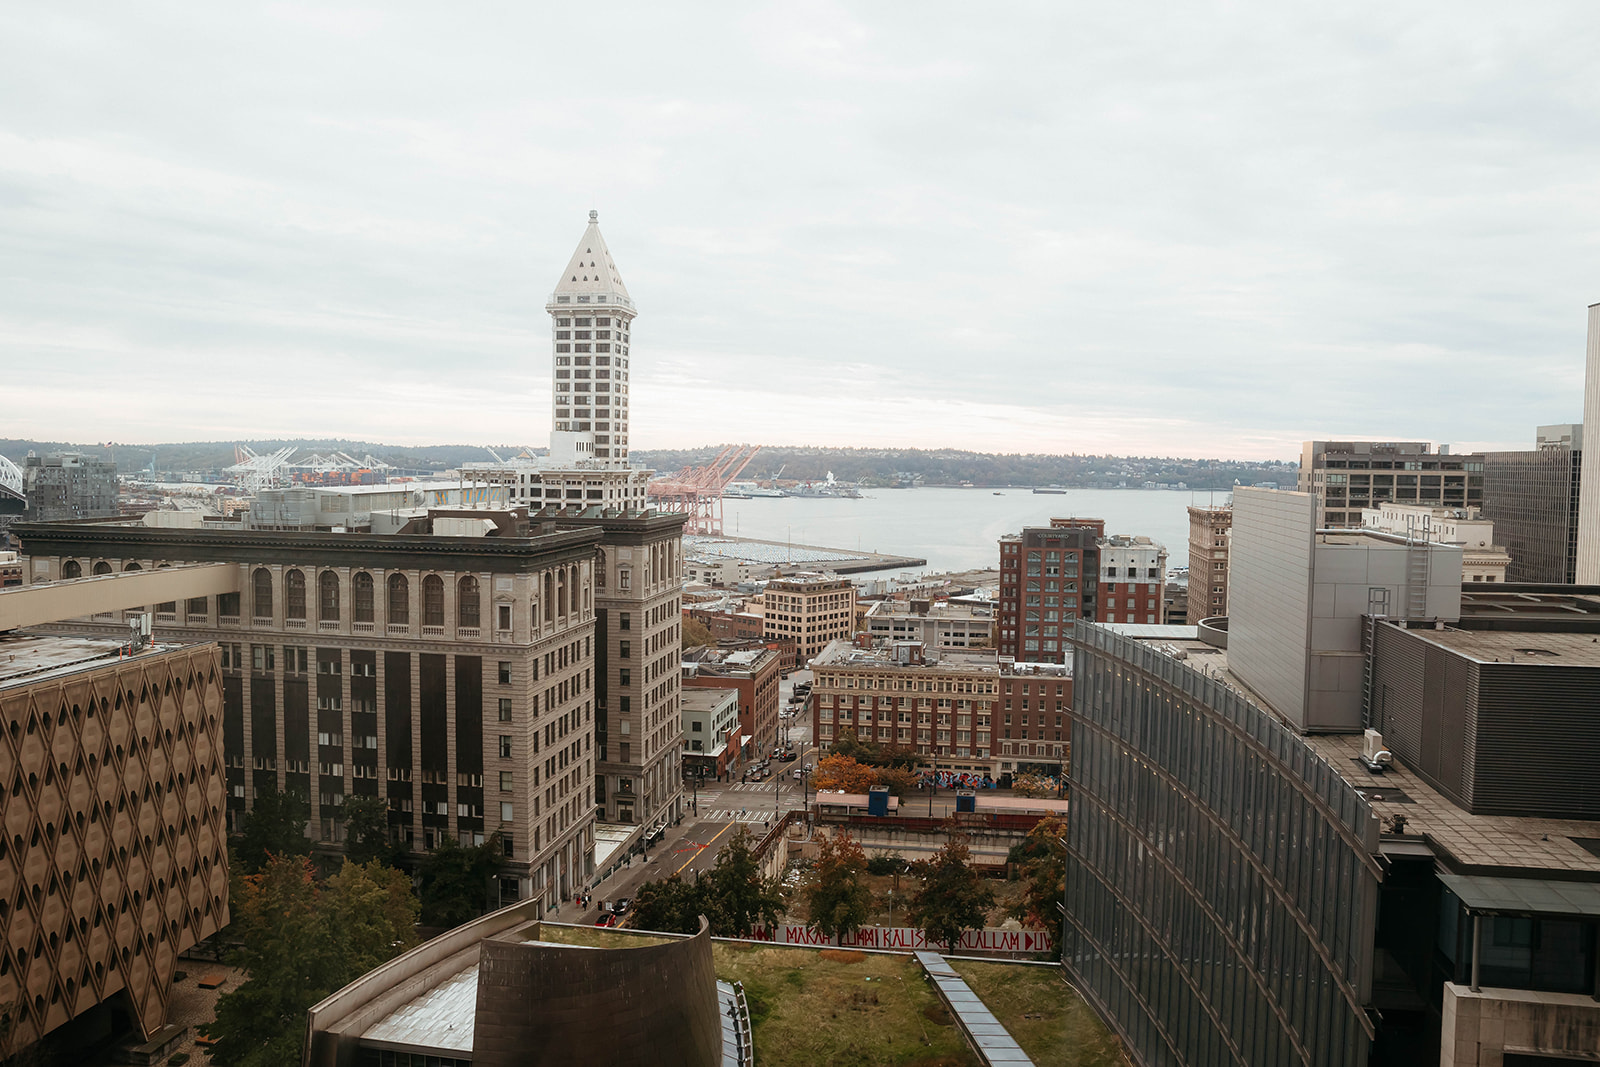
[{"x": 591, "y": 271}]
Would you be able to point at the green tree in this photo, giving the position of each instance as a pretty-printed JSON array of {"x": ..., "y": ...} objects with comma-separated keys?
[
  {"x": 1041, "y": 861},
  {"x": 299, "y": 942},
  {"x": 839, "y": 901},
  {"x": 898, "y": 780},
  {"x": 670, "y": 905},
  {"x": 372, "y": 915},
  {"x": 953, "y": 897},
  {"x": 366, "y": 830},
  {"x": 274, "y": 826},
  {"x": 457, "y": 884},
  {"x": 737, "y": 897}
]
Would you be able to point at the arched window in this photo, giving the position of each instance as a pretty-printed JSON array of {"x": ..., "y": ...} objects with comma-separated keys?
[
  {"x": 72, "y": 569},
  {"x": 102, "y": 567},
  {"x": 467, "y": 601},
  {"x": 561, "y": 594},
  {"x": 361, "y": 597},
  {"x": 549, "y": 596},
  {"x": 433, "y": 600},
  {"x": 328, "y": 597},
  {"x": 399, "y": 600},
  {"x": 261, "y": 593},
  {"x": 132, "y": 565},
  {"x": 294, "y": 595}
]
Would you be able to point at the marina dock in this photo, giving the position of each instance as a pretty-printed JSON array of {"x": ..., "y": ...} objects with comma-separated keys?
[{"x": 785, "y": 554}]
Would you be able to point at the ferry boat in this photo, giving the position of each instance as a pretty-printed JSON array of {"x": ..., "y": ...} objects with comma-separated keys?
[{"x": 1054, "y": 489}]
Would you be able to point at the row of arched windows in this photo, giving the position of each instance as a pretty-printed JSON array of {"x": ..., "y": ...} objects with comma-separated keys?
[
  {"x": 561, "y": 595},
  {"x": 362, "y": 602}
]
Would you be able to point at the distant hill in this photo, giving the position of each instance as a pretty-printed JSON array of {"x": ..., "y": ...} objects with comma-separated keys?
[
  {"x": 214, "y": 455},
  {"x": 870, "y": 466},
  {"x": 890, "y": 466}
]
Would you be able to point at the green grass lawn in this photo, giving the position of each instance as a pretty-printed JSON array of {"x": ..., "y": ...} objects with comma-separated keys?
[
  {"x": 848, "y": 1008},
  {"x": 811, "y": 1011},
  {"x": 1051, "y": 1023}
]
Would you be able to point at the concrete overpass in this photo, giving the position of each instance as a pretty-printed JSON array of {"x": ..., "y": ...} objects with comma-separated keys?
[{"x": 76, "y": 598}]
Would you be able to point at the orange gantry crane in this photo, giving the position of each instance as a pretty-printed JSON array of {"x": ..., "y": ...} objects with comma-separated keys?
[{"x": 697, "y": 491}]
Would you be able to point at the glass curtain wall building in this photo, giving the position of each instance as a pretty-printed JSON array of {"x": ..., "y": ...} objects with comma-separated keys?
[
  {"x": 1222, "y": 878},
  {"x": 1532, "y": 498}
]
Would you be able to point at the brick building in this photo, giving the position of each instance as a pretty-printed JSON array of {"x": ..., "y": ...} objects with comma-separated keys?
[
  {"x": 754, "y": 674},
  {"x": 1048, "y": 577},
  {"x": 965, "y": 710},
  {"x": 1132, "y": 580}
]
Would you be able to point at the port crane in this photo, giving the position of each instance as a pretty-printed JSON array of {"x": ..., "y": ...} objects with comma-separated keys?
[{"x": 697, "y": 491}]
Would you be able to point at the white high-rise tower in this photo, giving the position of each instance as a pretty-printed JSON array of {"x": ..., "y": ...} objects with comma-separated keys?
[
  {"x": 591, "y": 317},
  {"x": 1589, "y": 479},
  {"x": 591, "y": 323}
]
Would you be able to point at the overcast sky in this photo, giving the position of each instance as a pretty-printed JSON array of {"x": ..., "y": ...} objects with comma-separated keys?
[{"x": 1179, "y": 229}]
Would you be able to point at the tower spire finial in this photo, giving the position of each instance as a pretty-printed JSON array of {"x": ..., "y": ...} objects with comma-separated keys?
[{"x": 594, "y": 216}]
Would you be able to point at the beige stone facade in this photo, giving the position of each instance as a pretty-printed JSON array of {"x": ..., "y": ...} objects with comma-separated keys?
[
  {"x": 1210, "y": 535},
  {"x": 452, "y": 677},
  {"x": 810, "y": 610},
  {"x": 639, "y": 725}
]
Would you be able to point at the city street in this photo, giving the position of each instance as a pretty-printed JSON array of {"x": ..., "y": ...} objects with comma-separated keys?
[{"x": 711, "y": 814}]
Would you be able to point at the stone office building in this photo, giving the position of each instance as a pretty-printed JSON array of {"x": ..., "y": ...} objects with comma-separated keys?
[{"x": 452, "y": 677}]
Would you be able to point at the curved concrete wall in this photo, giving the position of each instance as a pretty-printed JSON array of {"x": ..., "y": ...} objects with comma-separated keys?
[{"x": 558, "y": 1004}]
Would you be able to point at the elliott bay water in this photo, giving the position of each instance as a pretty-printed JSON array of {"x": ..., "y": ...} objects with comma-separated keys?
[{"x": 958, "y": 529}]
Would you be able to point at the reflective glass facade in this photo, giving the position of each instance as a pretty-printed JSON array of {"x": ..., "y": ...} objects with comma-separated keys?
[
  {"x": 1532, "y": 498},
  {"x": 1222, "y": 879}
]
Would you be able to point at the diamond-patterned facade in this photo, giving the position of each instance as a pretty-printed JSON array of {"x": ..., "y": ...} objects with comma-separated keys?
[{"x": 113, "y": 859}]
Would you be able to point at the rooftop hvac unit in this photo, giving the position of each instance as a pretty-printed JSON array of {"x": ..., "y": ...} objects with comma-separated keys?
[{"x": 1373, "y": 754}]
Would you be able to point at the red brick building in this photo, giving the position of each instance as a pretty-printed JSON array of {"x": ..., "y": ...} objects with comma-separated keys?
[
  {"x": 1048, "y": 577},
  {"x": 755, "y": 673},
  {"x": 1132, "y": 580},
  {"x": 726, "y": 625}
]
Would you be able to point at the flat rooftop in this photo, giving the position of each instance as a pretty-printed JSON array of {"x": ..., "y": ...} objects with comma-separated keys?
[
  {"x": 26, "y": 658},
  {"x": 1460, "y": 838},
  {"x": 941, "y": 609},
  {"x": 1503, "y": 841},
  {"x": 1553, "y": 649},
  {"x": 845, "y": 654}
]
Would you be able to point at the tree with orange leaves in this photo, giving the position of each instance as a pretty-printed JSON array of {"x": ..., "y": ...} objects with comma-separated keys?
[{"x": 843, "y": 772}]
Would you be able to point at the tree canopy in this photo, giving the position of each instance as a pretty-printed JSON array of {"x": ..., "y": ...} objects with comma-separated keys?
[
  {"x": 1041, "y": 861},
  {"x": 839, "y": 901},
  {"x": 952, "y": 897},
  {"x": 871, "y": 752},
  {"x": 696, "y": 633},
  {"x": 843, "y": 772},
  {"x": 274, "y": 826},
  {"x": 456, "y": 883},
  {"x": 733, "y": 896},
  {"x": 366, "y": 829},
  {"x": 301, "y": 941}
]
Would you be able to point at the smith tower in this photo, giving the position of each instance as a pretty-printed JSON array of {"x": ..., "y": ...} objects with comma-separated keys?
[{"x": 591, "y": 317}]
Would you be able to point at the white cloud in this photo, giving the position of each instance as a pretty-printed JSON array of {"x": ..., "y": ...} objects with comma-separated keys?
[{"x": 1038, "y": 227}]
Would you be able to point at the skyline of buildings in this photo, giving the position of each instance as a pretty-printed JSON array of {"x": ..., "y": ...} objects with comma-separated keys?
[{"x": 505, "y": 659}]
